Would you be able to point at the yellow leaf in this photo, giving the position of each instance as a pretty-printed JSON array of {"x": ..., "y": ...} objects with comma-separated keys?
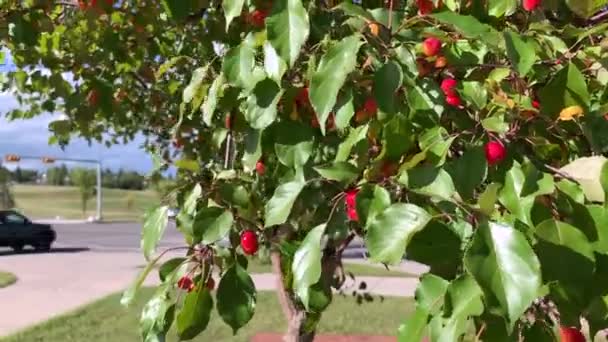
[{"x": 570, "y": 113}]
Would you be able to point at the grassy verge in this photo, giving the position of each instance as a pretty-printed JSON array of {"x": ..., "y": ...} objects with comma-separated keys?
[
  {"x": 7, "y": 279},
  {"x": 256, "y": 266},
  {"x": 107, "y": 321},
  {"x": 41, "y": 201}
]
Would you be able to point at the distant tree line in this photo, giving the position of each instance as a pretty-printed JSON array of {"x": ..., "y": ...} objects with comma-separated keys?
[{"x": 61, "y": 175}]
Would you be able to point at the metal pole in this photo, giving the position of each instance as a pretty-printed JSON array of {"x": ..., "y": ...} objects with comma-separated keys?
[{"x": 99, "y": 196}]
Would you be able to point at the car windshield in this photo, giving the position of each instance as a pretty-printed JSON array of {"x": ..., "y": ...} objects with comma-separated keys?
[{"x": 12, "y": 217}]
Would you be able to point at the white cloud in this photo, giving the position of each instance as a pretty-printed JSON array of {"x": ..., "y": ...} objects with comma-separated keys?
[{"x": 30, "y": 137}]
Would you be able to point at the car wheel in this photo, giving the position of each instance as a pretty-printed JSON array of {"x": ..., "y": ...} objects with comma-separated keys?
[{"x": 17, "y": 248}]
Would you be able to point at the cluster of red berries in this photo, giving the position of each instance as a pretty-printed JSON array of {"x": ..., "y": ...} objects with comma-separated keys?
[
  {"x": 351, "y": 204},
  {"x": 448, "y": 86}
]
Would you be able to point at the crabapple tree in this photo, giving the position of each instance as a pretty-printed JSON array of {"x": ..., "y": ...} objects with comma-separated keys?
[{"x": 431, "y": 130}]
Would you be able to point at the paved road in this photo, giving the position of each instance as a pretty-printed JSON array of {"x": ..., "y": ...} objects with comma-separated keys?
[
  {"x": 123, "y": 237},
  {"x": 110, "y": 236}
]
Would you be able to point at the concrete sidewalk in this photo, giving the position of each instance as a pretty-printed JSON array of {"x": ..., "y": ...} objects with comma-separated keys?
[{"x": 54, "y": 283}]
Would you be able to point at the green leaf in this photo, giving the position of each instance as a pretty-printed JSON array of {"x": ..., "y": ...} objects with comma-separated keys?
[
  {"x": 253, "y": 149},
  {"x": 278, "y": 208},
  {"x": 168, "y": 267},
  {"x": 195, "y": 83},
  {"x": 565, "y": 253},
  {"x": 414, "y": 328},
  {"x": 567, "y": 88},
  {"x": 188, "y": 164},
  {"x": 354, "y": 10},
  {"x": 232, "y": 9},
  {"x": 429, "y": 180},
  {"x": 293, "y": 143},
  {"x": 262, "y": 104},
  {"x": 238, "y": 65},
  {"x": 587, "y": 171},
  {"x": 520, "y": 190},
  {"x": 337, "y": 63},
  {"x": 500, "y": 8},
  {"x": 177, "y": 9},
  {"x": 212, "y": 224},
  {"x": 397, "y": 137},
  {"x": 425, "y": 97},
  {"x": 288, "y": 28},
  {"x": 194, "y": 315},
  {"x": 339, "y": 172},
  {"x": 496, "y": 123},
  {"x": 436, "y": 143},
  {"x": 389, "y": 232},
  {"x": 274, "y": 66},
  {"x": 191, "y": 201},
  {"x": 156, "y": 317},
  {"x": 306, "y": 265},
  {"x": 487, "y": 200},
  {"x": 463, "y": 299},
  {"x": 387, "y": 81},
  {"x": 372, "y": 201},
  {"x": 475, "y": 93},
  {"x": 470, "y": 27},
  {"x": 468, "y": 171},
  {"x": 236, "y": 297},
  {"x": 345, "y": 110},
  {"x": 430, "y": 293},
  {"x": 214, "y": 94},
  {"x": 354, "y": 137},
  {"x": 429, "y": 300},
  {"x": 520, "y": 51},
  {"x": 437, "y": 246},
  {"x": 506, "y": 268},
  {"x": 155, "y": 223},
  {"x": 586, "y": 8}
]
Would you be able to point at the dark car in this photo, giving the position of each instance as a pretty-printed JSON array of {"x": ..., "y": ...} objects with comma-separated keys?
[{"x": 17, "y": 231}]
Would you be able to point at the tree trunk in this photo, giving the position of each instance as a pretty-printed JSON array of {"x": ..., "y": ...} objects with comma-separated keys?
[
  {"x": 332, "y": 273},
  {"x": 295, "y": 317}
]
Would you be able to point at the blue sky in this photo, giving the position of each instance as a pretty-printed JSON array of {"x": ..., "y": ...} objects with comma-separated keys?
[{"x": 30, "y": 137}]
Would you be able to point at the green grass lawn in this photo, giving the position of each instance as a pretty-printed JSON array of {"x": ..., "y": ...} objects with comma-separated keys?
[
  {"x": 257, "y": 266},
  {"x": 41, "y": 201},
  {"x": 7, "y": 279},
  {"x": 107, "y": 321}
]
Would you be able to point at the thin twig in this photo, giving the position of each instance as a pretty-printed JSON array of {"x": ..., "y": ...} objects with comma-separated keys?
[
  {"x": 560, "y": 173},
  {"x": 390, "y": 14},
  {"x": 344, "y": 245},
  {"x": 481, "y": 330}
]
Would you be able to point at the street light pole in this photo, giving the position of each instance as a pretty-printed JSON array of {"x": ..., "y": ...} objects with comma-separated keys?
[{"x": 99, "y": 195}]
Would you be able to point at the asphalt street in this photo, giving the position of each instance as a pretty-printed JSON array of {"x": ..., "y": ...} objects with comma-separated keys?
[
  {"x": 110, "y": 236},
  {"x": 123, "y": 237}
]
